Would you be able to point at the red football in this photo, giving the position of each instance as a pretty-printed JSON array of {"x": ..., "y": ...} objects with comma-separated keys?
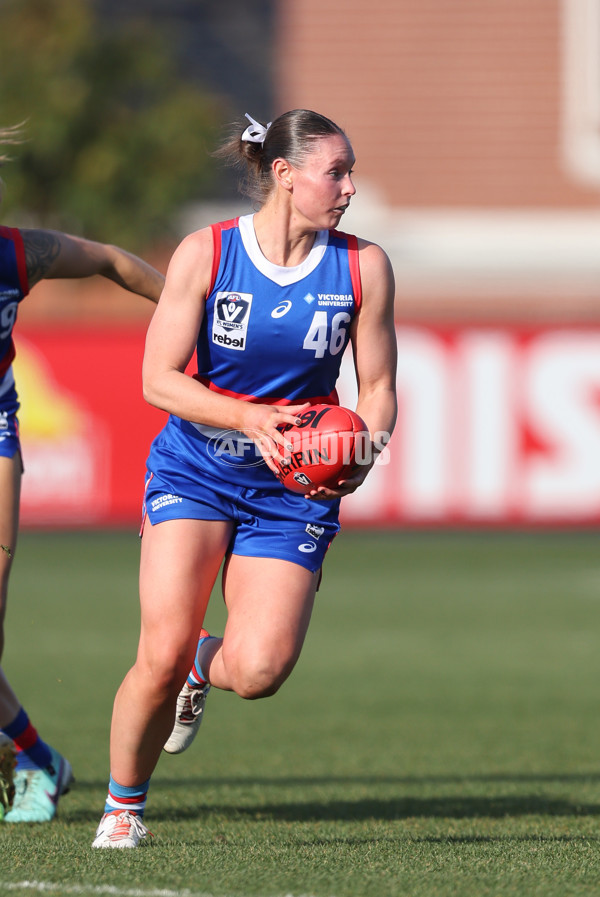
[{"x": 327, "y": 445}]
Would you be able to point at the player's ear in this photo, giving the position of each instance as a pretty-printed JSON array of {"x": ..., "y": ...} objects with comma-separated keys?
[{"x": 283, "y": 173}]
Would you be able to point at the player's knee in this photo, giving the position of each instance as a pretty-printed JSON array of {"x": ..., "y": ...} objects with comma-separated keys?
[
  {"x": 261, "y": 679},
  {"x": 251, "y": 688},
  {"x": 166, "y": 670}
]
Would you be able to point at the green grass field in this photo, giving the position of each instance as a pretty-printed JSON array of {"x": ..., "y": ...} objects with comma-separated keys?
[{"x": 440, "y": 735}]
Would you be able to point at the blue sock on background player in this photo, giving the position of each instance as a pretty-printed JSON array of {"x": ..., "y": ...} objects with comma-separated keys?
[{"x": 32, "y": 751}]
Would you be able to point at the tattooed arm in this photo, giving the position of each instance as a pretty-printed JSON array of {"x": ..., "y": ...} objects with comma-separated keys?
[{"x": 53, "y": 254}]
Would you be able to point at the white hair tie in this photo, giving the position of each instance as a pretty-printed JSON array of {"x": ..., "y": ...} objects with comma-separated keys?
[{"x": 255, "y": 132}]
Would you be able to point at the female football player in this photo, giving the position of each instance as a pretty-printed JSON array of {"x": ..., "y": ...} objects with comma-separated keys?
[
  {"x": 26, "y": 257},
  {"x": 268, "y": 302}
]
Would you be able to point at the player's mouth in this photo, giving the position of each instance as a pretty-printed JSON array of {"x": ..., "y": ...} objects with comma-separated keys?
[{"x": 342, "y": 209}]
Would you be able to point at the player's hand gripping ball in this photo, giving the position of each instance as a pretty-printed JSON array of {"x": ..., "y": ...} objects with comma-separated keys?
[{"x": 327, "y": 445}]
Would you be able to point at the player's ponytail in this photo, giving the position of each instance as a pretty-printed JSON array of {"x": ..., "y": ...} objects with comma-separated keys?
[
  {"x": 254, "y": 147},
  {"x": 10, "y": 136}
]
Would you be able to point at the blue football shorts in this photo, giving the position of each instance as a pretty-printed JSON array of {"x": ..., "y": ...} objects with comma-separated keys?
[
  {"x": 268, "y": 523},
  {"x": 10, "y": 443}
]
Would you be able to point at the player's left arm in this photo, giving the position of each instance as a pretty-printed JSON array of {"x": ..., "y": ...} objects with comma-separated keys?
[
  {"x": 374, "y": 342},
  {"x": 52, "y": 254},
  {"x": 374, "y": 347}
]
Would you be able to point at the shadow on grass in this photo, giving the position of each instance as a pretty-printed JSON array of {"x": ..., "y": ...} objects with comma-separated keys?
[
  {"x": 421, "y": 808},
  {"x": 454, "y": 839},
  {"x": 397, "y": 807},
  {"x": 186, "y": 783}
]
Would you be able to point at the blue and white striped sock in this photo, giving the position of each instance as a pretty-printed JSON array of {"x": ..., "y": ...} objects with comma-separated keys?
[
  {"x": 196, "y": 676},
  {"x": 126, "y": 797}
]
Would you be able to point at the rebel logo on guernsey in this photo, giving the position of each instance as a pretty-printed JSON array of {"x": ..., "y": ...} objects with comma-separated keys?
[{"x": 230, "y": 319}]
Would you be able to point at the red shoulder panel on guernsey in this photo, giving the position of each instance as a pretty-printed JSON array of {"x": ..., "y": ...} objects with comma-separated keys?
[
  {"x": 216, "y": 234},
  {"x": 14, "y": 234},
  {"x": 354, "y": 264}
]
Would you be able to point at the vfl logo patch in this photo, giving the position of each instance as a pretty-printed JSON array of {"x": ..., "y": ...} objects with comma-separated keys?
[
  {"x": 302, "y": 479},
  {"x": 315, "y": 531},
  {"x": 230, "y": 319}
]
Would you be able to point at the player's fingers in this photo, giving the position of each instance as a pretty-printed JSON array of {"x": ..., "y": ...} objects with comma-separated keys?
[
  {"x": 271, "y": 464},
  {"x": 274, "y": 447},
  {"x": 322, "y": 494},
  {"x": 290, "y": 413},
  {"x": 266, "y": 444},
  {"x": 283, "y": 446}
]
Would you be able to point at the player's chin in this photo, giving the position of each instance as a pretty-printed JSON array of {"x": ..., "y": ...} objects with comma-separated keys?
[{"x": 336, "y": 216}]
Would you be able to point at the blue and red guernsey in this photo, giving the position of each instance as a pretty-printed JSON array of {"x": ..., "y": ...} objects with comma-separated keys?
[
  {"x": 273, "y": 334},
  {"x": 13, "y": 288},
  {"x": 270, "y": 334}
]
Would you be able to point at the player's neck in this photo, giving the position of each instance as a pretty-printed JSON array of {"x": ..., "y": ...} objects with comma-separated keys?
[{"x": 282, "y": 240}]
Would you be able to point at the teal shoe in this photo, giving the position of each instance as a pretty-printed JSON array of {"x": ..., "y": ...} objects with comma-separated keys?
[
  {"x": 37, "y": 791},
  {"x": 8, "y": 761}
]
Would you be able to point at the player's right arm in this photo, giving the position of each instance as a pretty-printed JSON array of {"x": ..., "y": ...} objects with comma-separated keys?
[
  {"x": 52, "y": 254},
  {"x": 171, "y": 341}
]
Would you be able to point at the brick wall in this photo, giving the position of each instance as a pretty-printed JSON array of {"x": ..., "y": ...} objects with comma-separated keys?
[
  {"x": 447, "y": 102},
  {"x": 476, "y": 125}
]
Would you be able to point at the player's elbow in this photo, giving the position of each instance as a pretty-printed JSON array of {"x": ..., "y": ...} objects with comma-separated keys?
[
  {"x": 109, "y": 260},
  {"x": 151, "y": 392}
]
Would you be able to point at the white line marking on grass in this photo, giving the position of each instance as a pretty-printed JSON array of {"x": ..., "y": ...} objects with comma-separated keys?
[{"x": 47, "y": 887}]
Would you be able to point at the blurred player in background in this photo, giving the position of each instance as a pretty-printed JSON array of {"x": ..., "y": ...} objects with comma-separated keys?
[
  {"x": 269, "y": 302},
  {"x": 26, "y": 257}
]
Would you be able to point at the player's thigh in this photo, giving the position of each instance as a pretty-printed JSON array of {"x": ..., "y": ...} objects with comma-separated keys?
[
  {"x": 180, "y": 560},
  {"x": 269, "y": 606},
  {"x": 10, "y": 493}
]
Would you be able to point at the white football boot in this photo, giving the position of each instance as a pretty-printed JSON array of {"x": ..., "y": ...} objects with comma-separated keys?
[
  {"x": 120, "y": 830},
  {"x": 188, "y": 717}
]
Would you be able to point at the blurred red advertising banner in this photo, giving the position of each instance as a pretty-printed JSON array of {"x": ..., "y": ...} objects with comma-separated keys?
[
  {"x": 498, "y": 426},
  {"x": 85, "y": 428}
]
